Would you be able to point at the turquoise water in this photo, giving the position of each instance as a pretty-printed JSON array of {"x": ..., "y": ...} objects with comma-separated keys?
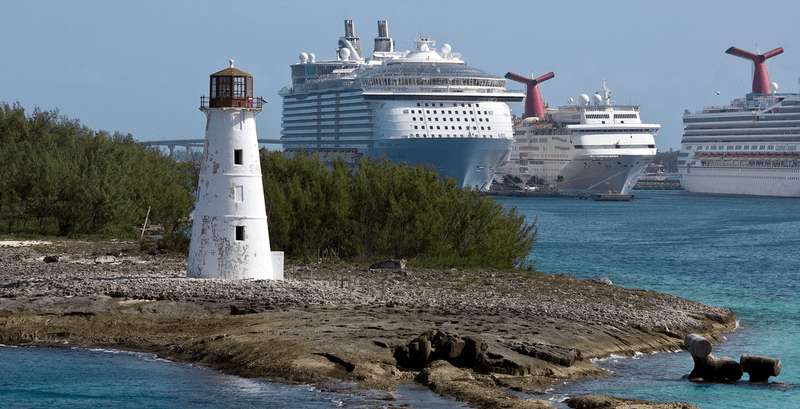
[
  {"x": 80, "y": 378},
  {"x": 738, "y": 253}
]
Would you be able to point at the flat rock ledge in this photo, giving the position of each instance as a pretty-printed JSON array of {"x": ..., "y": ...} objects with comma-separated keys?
[{"x": 468, "y": 334}]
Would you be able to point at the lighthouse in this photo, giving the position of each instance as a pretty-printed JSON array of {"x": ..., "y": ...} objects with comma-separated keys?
[{"x": 229, "y": 235}]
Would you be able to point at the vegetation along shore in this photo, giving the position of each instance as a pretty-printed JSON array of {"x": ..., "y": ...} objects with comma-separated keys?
[{"x": 464, "y": 316}]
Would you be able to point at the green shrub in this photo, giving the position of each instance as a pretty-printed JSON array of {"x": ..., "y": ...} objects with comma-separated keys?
[{"x": 382, "y": 210}]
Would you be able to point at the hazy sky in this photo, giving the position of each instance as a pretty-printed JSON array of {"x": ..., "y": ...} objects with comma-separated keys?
[{"x": 140, "y": 67}]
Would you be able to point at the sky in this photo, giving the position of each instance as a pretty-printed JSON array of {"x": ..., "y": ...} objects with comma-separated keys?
[{"x": 140, "y": 67}]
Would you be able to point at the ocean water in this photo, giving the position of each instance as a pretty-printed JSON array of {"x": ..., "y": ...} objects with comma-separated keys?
[
  {"x": 733, "y": 252},
  {"x": 81, "y": 378}
]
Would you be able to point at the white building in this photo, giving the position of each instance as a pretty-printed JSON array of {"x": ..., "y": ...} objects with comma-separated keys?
[{"x": 229, "y": 236}]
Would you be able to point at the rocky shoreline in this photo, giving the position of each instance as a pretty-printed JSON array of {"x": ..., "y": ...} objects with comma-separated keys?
[{"x": 468, "y": 334}]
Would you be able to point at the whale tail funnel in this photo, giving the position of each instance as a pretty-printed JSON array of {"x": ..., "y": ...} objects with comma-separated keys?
[
  {"x": 534, "y": 105},
  {"x": 760, "y": 74}
]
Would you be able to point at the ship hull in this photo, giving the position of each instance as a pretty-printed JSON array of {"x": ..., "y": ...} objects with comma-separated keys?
[
  {"x": 472, "y": 162},
  {"x": 616, "y": 174},
  {"x": 741, "y": 181}
]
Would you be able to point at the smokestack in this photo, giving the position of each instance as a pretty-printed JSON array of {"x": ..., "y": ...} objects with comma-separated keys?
[
  {"x": 760, "y": 74},
  {"x": 534, "y": 105},
  {"x": 383, "y": 42},
  {"x": 350, "y": 36}
]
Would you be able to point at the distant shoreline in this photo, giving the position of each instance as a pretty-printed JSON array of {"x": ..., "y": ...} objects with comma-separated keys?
[{"x": 341, "y": 321}]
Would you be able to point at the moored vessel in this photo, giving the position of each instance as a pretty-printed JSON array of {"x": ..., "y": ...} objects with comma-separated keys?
[
  {"x": 421, "y": 106},
  {"x": 749, "y": 147},
  {"x": 593, "y": 147}
]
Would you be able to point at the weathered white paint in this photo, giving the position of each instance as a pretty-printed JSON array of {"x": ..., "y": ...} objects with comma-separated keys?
[{"x": 230, "y": 195}]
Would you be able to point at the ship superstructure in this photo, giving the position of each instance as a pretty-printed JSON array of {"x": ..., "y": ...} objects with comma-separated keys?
[
  {"x": 596, "y": 146},
  {"x": 421, "y": 106},
  {"x": 749, "y": 147}
]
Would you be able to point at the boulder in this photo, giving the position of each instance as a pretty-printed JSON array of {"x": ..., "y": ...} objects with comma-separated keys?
[
  {"x": 389, "y": 264},
  {"x": 104, "y": 259},
  {"x": 440, "y": 372}
]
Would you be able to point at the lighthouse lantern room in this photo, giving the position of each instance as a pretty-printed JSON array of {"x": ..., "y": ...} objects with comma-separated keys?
[{"x": 229, "y": 235}]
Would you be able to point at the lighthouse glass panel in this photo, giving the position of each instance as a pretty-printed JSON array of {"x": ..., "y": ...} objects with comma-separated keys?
[
  {"x": 238, "y": 87},
  {"x": 213, "y": 87},
  {"x": 224, "y": 87}
]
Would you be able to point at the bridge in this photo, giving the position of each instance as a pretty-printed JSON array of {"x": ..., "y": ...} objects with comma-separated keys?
[{"x": 196, "y": 143}]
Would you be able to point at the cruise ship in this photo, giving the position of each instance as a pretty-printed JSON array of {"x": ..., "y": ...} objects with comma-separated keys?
[
  {"x": 421, "y": 106},
  {"x": 593, "y": 147},
  {"x": 749, "y": 147}
]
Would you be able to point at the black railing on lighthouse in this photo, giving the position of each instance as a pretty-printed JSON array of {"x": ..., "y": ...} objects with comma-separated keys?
[{"x": 257, "y": 103}]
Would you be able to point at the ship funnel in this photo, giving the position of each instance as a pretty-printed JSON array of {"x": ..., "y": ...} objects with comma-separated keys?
[
  {"x": 760, "y": 74},
  {"x": 383, "y": 42},
  {"x": 534, "y": 105},
  {"x": 350, "y": 40}
]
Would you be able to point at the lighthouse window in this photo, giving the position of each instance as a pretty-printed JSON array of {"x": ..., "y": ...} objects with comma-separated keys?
[
  {"x": 224, "y": 87},
  {"x": 239, "y": 233},
  {"x": 237, "y": 156},
  {"x": 239, "y": 194}
]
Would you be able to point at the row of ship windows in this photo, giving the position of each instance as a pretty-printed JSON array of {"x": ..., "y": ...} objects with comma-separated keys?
[
  {"x": 748, "y": 177},
  {"x": 606, "y": 116},
  {"x": 433, "y": 104},
  {"x": 742, "y": 147},
  {"x": 451, "y": 119},
  {"x": 616, "y": 130},
  {"x": 747, "y": 164},
  {"x": 489, "y": 128},
  {"x": 768, "y": 132},
  {"x": 450, "y": 112},
  {"x": 746, "y": 117},
  {"x": 500, "y": 135}
]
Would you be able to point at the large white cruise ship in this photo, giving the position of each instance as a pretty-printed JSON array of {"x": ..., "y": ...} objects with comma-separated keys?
[
  {"x": 593, "y": 147},
  {"x": 749, "y": 147},
  {"x": 419, "y": 106}
]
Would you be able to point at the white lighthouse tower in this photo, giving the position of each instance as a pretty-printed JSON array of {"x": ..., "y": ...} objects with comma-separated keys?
[{"x": 229, "y": 235}]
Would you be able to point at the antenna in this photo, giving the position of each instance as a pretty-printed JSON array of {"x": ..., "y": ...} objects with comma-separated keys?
[
  {"x": 534, "y": 105},
  {"x": 760, "y": 74}
]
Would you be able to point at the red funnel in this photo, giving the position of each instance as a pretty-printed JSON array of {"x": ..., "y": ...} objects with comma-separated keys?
[
  {"x": 760, "y": 74},
  {"x": 534, "y": 105}
]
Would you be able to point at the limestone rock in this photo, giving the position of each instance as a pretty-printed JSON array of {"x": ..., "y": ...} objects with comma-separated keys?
[{"x": 442, "y": 371}]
